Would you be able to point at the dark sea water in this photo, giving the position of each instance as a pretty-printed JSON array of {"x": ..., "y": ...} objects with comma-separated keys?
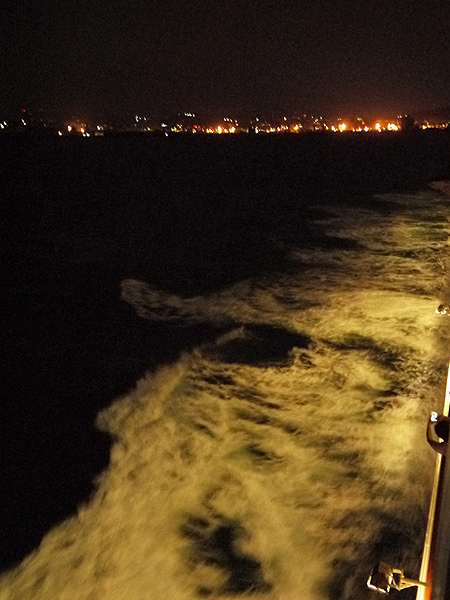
[{"x": 221, "y": 355}]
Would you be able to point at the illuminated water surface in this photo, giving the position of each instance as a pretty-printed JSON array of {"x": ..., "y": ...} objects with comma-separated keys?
[{"x": 287, "y": 457}]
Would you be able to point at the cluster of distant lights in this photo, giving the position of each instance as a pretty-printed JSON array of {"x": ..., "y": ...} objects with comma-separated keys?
[
  {"x": 297, "y": 128},
  {"x": 82, "y": 129},
  {"x": 230, "y": 125}
]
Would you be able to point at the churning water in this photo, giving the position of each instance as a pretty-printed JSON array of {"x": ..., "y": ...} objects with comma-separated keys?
[{"x": 285, "y": 459}]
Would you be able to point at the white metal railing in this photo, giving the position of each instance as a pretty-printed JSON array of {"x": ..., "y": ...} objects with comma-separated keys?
[{"x": 431, "y": 533}]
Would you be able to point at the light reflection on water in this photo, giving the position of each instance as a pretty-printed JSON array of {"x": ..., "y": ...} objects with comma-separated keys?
[{"x": 286, "y": 458}]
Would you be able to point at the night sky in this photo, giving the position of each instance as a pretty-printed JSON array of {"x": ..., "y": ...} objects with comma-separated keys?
[{"x": 100, "y": 58}]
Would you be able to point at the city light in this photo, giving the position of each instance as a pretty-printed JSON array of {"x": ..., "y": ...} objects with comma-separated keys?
[{"x": 185, "y": 124}]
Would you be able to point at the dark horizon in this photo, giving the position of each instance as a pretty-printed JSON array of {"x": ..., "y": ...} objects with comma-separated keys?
[{"x": 341, "y": 57}]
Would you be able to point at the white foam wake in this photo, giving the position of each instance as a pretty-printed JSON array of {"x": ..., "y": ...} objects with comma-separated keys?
[{"x": 235, "y": 474}]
